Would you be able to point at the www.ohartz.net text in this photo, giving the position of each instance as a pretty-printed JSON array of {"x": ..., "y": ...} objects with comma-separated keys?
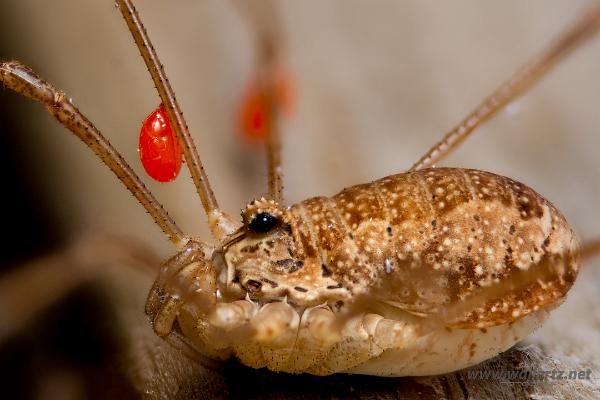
[{"x": 529, "y": 375}]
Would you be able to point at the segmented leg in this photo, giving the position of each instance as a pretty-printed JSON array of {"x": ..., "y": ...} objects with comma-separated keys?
[
  {"x": 364, "y": 337},
  {"x": 275, "y": 327},
  {"x": 590, "y": 249},
  {"x": 273, "y": 150},
  {"x": 233, "y": 319},
  {"x": 514, "y": 87},
  {"x": 185, "y": 292},
  {"x": 276, "y": 337},
  {"x": 317, "y": 334},
  {"x": 183, "y": 279},
  {"x": 354, "y": 348},
  {"x": 221, "y": 225},
  {"x": 33, "y": 287},
  {"x": 24, "y": 81},
  {"x": 265, "y": 21},
  {"x": 259, "y": 337}
]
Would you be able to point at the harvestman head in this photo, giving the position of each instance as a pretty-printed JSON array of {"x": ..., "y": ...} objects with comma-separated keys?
[{"x": 198, "y": 287}]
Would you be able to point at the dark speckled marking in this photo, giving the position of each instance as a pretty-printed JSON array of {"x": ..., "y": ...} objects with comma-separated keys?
[
  {"x": 253, "y": 286},
  {"x": 270, "y": 282},
  {"x": 287, "y": 265},
  {"x": 250, "y": 249}
]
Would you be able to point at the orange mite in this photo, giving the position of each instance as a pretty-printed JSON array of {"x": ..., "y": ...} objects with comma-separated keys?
[{"x": 254, "y": 116}]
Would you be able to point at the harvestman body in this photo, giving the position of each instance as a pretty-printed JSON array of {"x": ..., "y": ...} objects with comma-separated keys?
[{"x": 419, "y": 273}]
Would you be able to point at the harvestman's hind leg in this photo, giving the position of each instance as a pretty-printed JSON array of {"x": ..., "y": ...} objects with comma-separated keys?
[
  {"x": 33, "y": 287},
  {"x": 522, "y": 80},
  {"x": 590, "y": 249}
]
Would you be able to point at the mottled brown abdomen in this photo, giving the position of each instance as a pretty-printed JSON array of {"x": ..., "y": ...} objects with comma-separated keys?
[{"x": 475, "y": 248}]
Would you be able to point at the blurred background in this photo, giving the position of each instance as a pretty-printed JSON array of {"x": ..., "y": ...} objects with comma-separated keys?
[{"x": 378, "y": 82}]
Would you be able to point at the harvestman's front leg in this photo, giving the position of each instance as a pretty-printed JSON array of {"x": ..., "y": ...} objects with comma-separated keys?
[
  {"x": 220, "y": 223},
  {"x": 24, "y": 81}
]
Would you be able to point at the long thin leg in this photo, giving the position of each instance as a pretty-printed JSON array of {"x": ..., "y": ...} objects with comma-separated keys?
[
  {"x": 273, "y": 139},
  {"x": 24, "y": 81},
  {"x": 38, "y": 284},
  {"x": 273, "y": 146},
  {"x": 220, "y": 224},
  {"x": 590, "y": 249},
  {"x": 262, "y": 16},
  {"x": 514, "y": 87}
]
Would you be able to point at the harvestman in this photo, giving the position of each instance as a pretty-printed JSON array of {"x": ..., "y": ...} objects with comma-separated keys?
[{"x": 419, "y": 273}]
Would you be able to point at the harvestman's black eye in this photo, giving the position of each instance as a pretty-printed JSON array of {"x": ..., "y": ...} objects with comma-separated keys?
[{"x": 263, "y": 223}]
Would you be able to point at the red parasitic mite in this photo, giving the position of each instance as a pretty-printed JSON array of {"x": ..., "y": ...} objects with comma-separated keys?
[
  {"x": 159, "y": 149},
  {"x": 255, "y": 114}
]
